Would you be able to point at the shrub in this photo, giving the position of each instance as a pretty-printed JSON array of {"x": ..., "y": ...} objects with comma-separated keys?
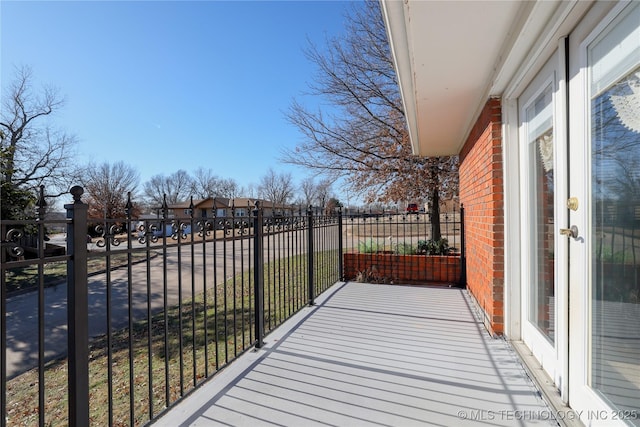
[
  {"x": 369, "y": 246},
  {"x": 434, "y": 247},
  {"x": 405, "y": 249}
]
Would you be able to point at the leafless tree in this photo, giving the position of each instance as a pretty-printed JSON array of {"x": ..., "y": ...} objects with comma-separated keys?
[
  {"x": 331, "y": 206},
  {"x": 307, "y": 191},
  {"x": 206, "y": 184},
  {"x": 107, "y": 187},
  {"x": 315, "y": 193},
  {"x": 229, "y": 188},
  {"x": 177, "y": 187},
  {"x": 250, "y": 191},
  {"x": 364, "y": 138},
  {"x": 33, "y": 152},
  {"x": 276, "y": 187}
]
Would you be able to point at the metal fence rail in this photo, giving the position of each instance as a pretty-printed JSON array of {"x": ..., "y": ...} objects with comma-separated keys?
[
  {"x": 117, "y": 329},
  {"x": 396, "y": 247},
  {"x": 151, "y": 309}
]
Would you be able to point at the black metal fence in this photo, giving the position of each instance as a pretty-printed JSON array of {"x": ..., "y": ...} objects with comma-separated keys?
[
  {"x": 115, "y": 329},
  {"x": 391, "y": 246}
]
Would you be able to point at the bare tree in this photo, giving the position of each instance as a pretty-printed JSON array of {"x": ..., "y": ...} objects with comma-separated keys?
[
  {"x": 276, "y": 187},
  {"x": 107, "y": 187},
  {"x": 250, "y": 191},
  {"x": 177, "y": 187},
  {"x": 33, "y": 152},
  {"x": 204, "y": 183},
  {"x": 331, "y": 206},
  {"x": 307, "y": 191},
  {"x": 365, "y": 140},
  {"x": 314, "y": 192},
  {"x": 229, "y": 188}
]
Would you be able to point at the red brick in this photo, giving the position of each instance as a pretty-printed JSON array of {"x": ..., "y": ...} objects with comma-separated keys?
[{"x": 482, "y": 193}]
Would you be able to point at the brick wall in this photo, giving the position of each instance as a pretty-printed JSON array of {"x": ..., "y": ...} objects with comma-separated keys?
[
  {"x": 391, "y": 268},
  {"x": 482, "y": 193}
]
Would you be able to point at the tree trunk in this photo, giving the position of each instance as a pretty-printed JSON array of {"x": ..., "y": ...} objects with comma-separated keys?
[{"x": 435, "y": 215}]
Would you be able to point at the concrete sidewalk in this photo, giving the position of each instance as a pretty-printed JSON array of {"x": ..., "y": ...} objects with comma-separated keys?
[{"x": 372, "y": 355}]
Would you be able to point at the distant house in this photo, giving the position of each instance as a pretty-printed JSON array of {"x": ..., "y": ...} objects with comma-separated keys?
[
  {"x": 219, "y": 207},
  {"x": 202, "y": 208},
  {"x": 243, "y": 207}
]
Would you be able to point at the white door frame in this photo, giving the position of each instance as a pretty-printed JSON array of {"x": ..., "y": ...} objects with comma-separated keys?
[
  {"x": 551, "y": 355},
  {"x": 587, "y": 403},
  {"x": 584, "y": 22}
]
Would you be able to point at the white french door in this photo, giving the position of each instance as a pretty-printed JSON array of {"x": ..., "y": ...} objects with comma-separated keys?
[
  {"x": 604, "y": 176},
  {"x": 544, "y": 257}
]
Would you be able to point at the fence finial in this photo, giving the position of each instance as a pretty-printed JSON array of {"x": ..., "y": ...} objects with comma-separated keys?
[
  {"x": 77, "y": 192},
  {"x": 41, "y": 204},
  {"x": 129, "y": 205},
  {"x": 165, "y": 207}
]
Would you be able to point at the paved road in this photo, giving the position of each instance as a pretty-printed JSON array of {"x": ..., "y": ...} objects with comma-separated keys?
[{"x": 22, "y": 310}]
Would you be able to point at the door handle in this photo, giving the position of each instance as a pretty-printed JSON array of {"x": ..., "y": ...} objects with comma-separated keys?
[{"x": 570, "y": 232}]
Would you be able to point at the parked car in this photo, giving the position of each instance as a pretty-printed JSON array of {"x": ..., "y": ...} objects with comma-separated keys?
[{"x": 412, "y": 207}]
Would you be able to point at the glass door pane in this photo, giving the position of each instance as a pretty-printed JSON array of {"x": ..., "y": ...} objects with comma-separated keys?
[
  {"x": 614, "y": 61},
  {"x": 539, "y": 116}
]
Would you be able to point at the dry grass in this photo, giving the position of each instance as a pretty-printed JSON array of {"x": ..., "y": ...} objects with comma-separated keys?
[
  {"x": 228, "y": 316},
  {"x": 23, "y": 279}
]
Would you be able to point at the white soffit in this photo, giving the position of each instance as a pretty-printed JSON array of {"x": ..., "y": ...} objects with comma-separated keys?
[{"x": 447, "y": 53}]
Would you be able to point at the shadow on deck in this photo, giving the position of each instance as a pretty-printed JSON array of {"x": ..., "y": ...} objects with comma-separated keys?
[{"x": 373, "y": 355}]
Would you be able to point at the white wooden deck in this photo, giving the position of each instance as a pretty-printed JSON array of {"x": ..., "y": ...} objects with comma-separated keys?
[{"x": 370, "y": 355}]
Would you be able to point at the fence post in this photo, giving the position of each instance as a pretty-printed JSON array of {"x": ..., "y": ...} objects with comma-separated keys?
[
  {"x": 340, "y": 246},
  {"x": 77, "y": 310},
  {"x": 258, "y": 274},
  {"x": 463, "y": 255},
  {"x": 3, "y": 327},
  {"x": 310, "y": 275}
]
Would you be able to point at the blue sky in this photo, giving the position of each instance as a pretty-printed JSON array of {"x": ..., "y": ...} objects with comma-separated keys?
[{"x": 169, "y": 85}]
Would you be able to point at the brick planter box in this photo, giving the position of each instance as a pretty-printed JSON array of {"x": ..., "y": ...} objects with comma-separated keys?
[{"x": 391, "y": 268}]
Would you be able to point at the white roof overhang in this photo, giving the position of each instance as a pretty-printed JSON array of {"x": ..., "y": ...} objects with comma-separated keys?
[{"x": 452, "y": 56}]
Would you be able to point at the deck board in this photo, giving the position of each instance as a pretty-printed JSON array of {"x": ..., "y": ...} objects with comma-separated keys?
[{"x": 372, "y": 355}]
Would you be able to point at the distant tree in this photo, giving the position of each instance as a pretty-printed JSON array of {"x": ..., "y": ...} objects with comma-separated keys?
[
  {"x": 314, "y": 192},
  {"x": 307, "y": 191},
  {"x": 32, "y": 151},
  {"x": 177, "y": 187},
  {"x": 332, "y": 205},
  {"x": 364, "y": 139},
  {"x": 276, "y": 187},
  {"x": 250, "y": 191},
  {"x": 206, "y": 184},
  {"x": 107, "y": 187},
  {"x": 16, "y": 203},
  {"x": 229, "y": 188}
]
